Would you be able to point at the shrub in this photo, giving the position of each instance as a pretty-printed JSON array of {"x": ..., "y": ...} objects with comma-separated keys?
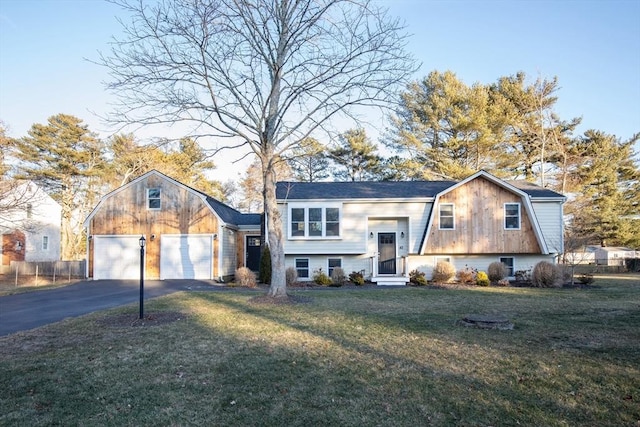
[
  {"x": 320, "y": 278},
  {"x": 466, "y": 275},
  {"x": 545, "y": 275},
  {"x": 523, "y": 275},
  {"x": 443, "y": 272},
  {"x": 586, "y": 278},
  {"x": 356, "y": 278},
  {"x": 497, "y": 271},
  {"x": 245, "y": 278},
  {"x": 291, "y": 276},
  {"x": 482, "y": 279},
  {"x": 338, "y": 277},
  {"x": 417, "y": 278},
  {"x": 265, "y": 266},
  {"x": 503, "y": 282}
]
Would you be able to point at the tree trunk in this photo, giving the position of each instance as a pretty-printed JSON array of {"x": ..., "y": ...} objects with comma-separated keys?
[{"x": 278, "y": 287}]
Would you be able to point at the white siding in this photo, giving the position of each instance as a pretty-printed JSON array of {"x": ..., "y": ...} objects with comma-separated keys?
[
  {"x": 355, "y": 229},
  {"x": 229, "y": 252},
  {"x": 350, "y": 263},
  {"x": 549, "y": 215}
]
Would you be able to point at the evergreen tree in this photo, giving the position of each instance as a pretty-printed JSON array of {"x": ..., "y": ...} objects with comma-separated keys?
[
  {"x": 66, "y": 160},
  {"x": 356, "y": 157},
  {"x": 607, "y": 191},
  {"x": 309, "y": 161}
]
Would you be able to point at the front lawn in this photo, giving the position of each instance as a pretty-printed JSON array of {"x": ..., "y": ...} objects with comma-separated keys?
[{"x": 344, "y": 358}]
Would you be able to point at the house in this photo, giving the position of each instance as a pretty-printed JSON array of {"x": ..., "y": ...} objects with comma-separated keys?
[
  {"x": 387, "y": 229},
  {"x": 611, "y": 255},
  {"x": 189, "y": 235},
  {"x": 30, "y": 222}
]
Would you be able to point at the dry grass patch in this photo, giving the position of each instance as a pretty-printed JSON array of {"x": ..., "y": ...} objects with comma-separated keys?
[{"x": 371, "y": 357}]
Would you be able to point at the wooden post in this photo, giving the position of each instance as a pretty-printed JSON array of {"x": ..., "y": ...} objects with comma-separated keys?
[
  {"x": 55, "y": 264},
  {"x": 16, "y": 276},
  {"x": 37, "y": 274}
]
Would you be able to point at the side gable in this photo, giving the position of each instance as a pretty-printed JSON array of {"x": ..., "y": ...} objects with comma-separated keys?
[{"x": 479, "y": 201}]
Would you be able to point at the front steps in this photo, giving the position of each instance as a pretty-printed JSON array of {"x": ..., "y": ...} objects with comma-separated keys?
[{"x": 390, "y": 281}]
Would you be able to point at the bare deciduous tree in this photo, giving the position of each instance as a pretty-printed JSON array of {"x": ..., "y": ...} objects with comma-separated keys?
[{"x": 264, "y": 73}]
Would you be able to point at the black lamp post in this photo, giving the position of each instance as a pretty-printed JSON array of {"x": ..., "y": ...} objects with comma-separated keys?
[{"x": 142, "y": 241}]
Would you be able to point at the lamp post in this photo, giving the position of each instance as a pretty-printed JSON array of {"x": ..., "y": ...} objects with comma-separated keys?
[{"x": 142, "y": 241}]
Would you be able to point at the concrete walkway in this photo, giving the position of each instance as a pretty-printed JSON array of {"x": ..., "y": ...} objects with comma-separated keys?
[{"x": 30, "y": 310}]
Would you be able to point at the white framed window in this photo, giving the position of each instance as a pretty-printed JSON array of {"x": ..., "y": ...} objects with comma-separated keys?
[
  {"x": 512, "y": 216},
  {"x": 302, "y": 267},
  {"x": 314, "y": 222},
  {"x": 442, "y": 258},
  {"x": 447, "y": 218},
  {"x": 153, "y": 198},
  {"x": 509, "y": 262},
  {"x": 45, "y": 243},
  {"x": 333, "y": 263}
]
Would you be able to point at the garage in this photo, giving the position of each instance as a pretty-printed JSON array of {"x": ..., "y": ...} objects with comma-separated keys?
[
  {"x": 116, "y": 257},
  {"x": 186, "y": 256}
]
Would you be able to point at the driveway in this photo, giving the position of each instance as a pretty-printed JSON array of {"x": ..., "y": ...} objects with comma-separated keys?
[{"x": 29, "y": 310}]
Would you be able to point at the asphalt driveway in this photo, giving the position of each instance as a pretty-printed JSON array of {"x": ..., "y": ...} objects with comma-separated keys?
[{"x": 29, "y": 310}]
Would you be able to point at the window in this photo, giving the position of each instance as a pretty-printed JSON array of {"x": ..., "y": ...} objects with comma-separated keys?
[
  {"x": 333, "y": 263},
  {"x": 509, "y": 262},
  {"x": 29, "y": 210},
  {"x": 446, "y": 217},
  {"x": 153, "y": 198},
  {"x": 302, "y": 267},
  {"x": 314, "y": 222},
  {"x": 442, "y": 258},
  {"x": 512, "y": 216},
  {"x": 45, "y": 243}
]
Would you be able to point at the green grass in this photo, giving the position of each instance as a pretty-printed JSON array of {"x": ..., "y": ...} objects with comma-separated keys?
[{"x": 365, "y": 357}]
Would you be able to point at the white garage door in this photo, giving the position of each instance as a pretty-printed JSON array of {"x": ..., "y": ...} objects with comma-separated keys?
[
  {"x": 186, "y": 256},
  {"x": 116, "y": 257}
]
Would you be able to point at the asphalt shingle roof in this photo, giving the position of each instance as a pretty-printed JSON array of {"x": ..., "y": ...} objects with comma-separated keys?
[{"x": 383, "y": 190}]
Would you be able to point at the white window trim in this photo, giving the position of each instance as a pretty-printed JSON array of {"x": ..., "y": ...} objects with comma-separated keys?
[
  {"x": 504, "y": 212},
  {"x": 453, "y": 214},
  {"x": 45, "y": 246},
  {"x": 295, "y": 266},
  {"x": 306, "y": 207},
  {"x": 159, "y": 198}
]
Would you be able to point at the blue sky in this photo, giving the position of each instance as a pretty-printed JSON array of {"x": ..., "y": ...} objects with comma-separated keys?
[{"x": 592, "y": 46}]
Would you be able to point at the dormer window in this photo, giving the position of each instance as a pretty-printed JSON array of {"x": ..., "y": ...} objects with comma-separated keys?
[{"x": 153, "y": 198}]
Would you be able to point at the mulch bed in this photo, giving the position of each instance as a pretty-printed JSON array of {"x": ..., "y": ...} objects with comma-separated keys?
[{"x": 133, "y": 320}]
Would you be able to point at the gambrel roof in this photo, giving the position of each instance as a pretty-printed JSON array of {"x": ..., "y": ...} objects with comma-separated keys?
[{"x": 227, "y": 214}]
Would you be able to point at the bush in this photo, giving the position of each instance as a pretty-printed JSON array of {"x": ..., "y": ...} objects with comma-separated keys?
[
  {"x": 467, "y": 275},
  {"x": 265, "y": 266},
  {"x": 586, "y": 278},
  {"x": 497, "y": 271},
  {"x": 443, "y": 272},
  {"x": 523, "y": 275},
  {"x": 338, "y": 278},
  {"x": 503, "y": 282},
  {"x": 246, "y": 278},
  {"x": 482, "y": 279},
  {"x": 417, "y": 278},
  {"x": 320, "y": 278},
  {"x": 291, "y": 276},
  {"x": 546, "y": 275},
  {"x": 356, "y": 278}
]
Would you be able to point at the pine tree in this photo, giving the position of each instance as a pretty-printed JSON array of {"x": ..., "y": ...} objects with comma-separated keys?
[
  {"x": 356, "y": 157},
  {"x": 309, "y": 161}
]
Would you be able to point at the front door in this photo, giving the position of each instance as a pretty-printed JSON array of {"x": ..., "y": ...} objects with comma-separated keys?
[
  {"x": 387, "y": 253},
  {"x": 253, "y": 253}
]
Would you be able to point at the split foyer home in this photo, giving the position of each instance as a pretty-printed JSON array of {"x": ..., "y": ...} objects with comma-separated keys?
[{"x": 381, "y": 229}]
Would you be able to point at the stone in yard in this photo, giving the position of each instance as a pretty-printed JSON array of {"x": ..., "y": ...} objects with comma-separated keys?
[{"x": 486, "y": 322}]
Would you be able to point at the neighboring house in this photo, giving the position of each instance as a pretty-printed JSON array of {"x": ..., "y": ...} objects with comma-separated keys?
[
  {"x": 30, "y": 223},
  {"x": 387, "y": 229},
  {"x": 611, "y": 255},
  {"x": 189, "y": 235}
]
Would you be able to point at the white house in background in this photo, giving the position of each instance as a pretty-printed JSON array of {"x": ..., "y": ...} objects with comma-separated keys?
[
  {"x": 387, "y": 229},
  {"x": 30, "y": 223},
  {"x": 611, "y": 255}
]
